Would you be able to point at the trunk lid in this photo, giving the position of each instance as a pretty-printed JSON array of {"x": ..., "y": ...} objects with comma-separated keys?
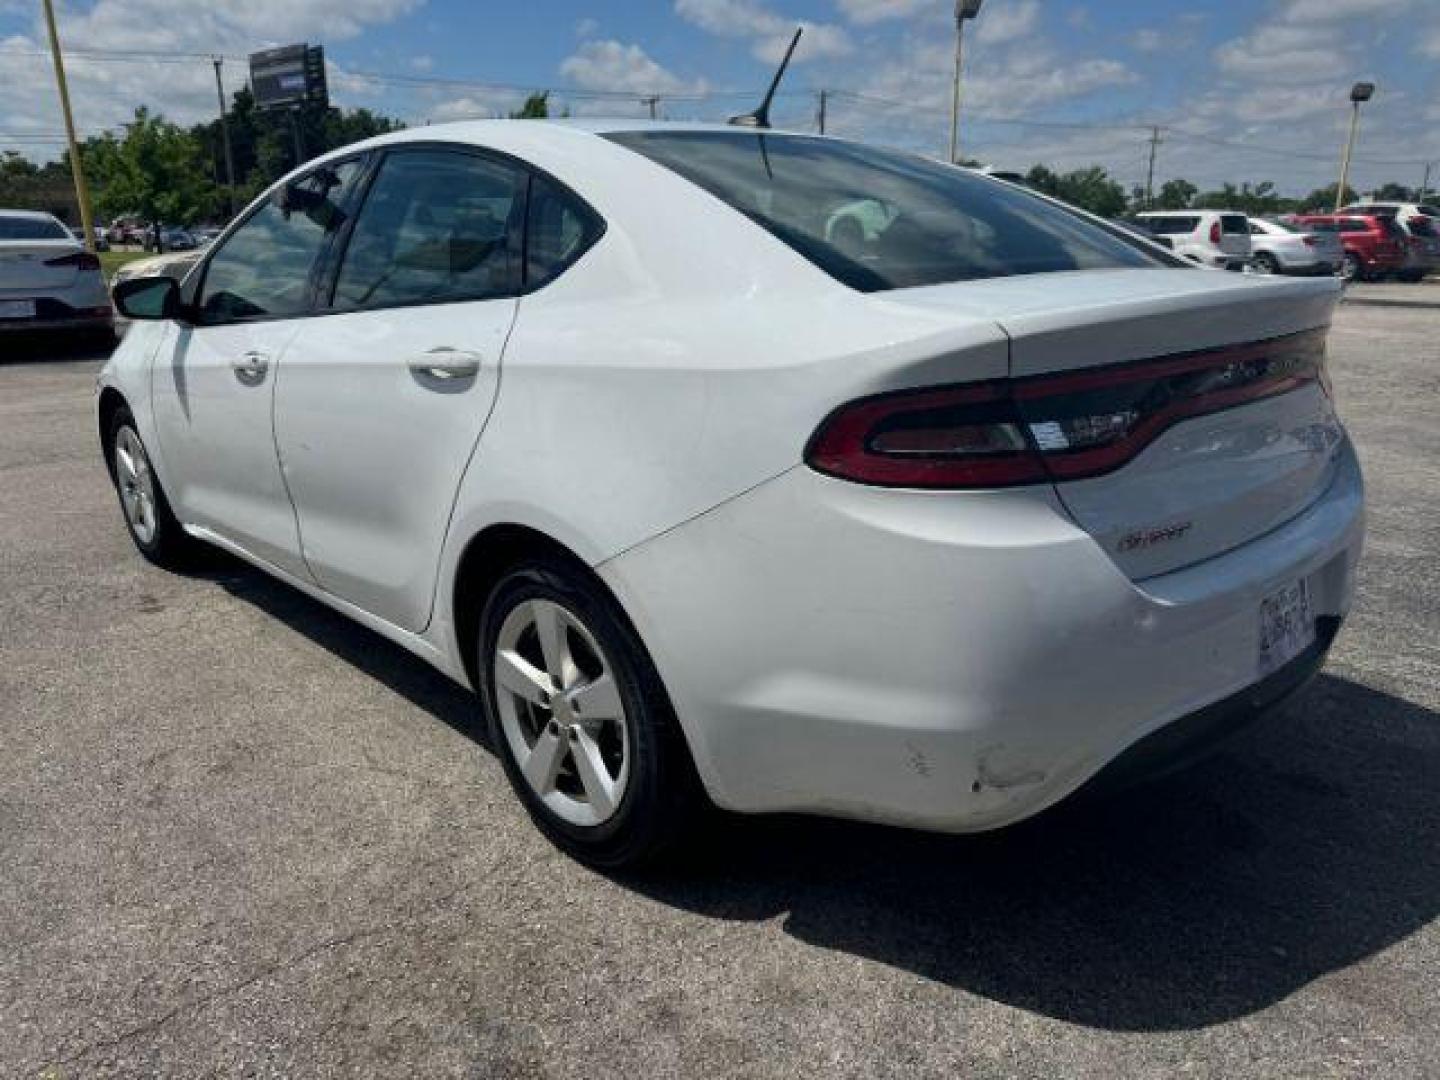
[
  {"x": 23, "y": 265},
  {"x": 1205, "y": 483}
]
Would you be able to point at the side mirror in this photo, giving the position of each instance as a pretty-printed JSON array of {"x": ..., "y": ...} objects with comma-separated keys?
[{"x": 147, "y": 298}]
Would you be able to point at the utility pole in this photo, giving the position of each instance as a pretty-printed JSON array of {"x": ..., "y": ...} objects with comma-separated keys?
[
  {"x": 1425, "y": 184},
  {"x": 77, "y": 170},
  {"x": 225, "y": 135},
  {"x": 1155, "y": 141},
  {"x": 824, "y": 100},
  {"x": 653, "y": 101}
]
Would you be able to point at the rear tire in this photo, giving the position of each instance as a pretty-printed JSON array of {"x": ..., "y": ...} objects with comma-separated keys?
[
  {"x": 1266, "y": 263},
  {"x": 143, "y": 505},
  {"x": 581, "y": 721},
  {"x": 1412, "y": 277}
]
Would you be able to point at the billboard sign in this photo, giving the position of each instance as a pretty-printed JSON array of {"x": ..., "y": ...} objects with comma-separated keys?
[{"x": 289, "y": 76}]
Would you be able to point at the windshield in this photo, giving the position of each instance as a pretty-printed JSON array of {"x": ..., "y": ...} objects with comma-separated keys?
[
  {"x": 876, "y": 219},
  {"x": 31, "y": 228}
]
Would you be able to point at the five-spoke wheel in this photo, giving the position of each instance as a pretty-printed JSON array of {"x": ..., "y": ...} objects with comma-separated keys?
[{"x": 579, "y": 717}]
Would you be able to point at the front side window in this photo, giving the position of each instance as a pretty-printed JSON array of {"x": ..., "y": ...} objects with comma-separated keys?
[
  {"x": 877, "y": 219},
  {"x": 263, "y": 269},
  {"x": 437, "y": 225}
]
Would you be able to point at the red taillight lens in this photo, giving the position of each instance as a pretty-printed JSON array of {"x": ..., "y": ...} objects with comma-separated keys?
[
  {"x": 80, "y": 260},
  {"x": 962, "y": 437},
  {"x": 1215, "y": 232},
  {"x": 1054, "y": 427}
]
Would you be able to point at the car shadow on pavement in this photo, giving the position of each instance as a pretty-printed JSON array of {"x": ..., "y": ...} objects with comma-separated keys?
[
  {"x": 63, "y": 348},
  {"x": 1305, "y": 846}
]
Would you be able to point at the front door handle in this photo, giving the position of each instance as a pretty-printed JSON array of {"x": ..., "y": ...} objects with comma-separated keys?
[
  {"x": 250, "y": 369},
  {"x": 444, "y": 364}
]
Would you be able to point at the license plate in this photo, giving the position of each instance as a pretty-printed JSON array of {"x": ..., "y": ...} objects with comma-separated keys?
[
  {"x": 1287, "y": 626},
  {"x": 17, "y": 309}
]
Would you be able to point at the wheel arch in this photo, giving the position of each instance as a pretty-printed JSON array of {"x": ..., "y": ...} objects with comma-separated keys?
[{"x": 111, "y": 401}]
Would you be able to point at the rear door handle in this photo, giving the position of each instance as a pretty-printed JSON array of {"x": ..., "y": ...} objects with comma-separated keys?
[
  {"x": 444, "y": 364},
  {"x": 250, "y": 369}
]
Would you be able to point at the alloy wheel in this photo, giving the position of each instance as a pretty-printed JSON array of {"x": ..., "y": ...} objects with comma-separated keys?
[
  {"x": 136, "y": 481},
  {"x": 561, "y": 712}
]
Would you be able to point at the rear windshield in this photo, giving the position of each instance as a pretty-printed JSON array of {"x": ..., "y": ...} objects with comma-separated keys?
[
  {"x": 1171, "y": 226},
  {"x": 1234, "y": 224},
  {"x": 876, "y": 219},
  {"x": 28, "y": 228}
]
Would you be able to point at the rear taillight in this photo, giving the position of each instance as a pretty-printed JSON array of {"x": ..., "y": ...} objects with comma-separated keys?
[
  {"x": 1215, "y": 232},
  {"x": 80, "y": 260},
  {"x": 958, "y": 437},
  {"x": 1310, "y": 241},
  {"x": 1054, "y": 427}
]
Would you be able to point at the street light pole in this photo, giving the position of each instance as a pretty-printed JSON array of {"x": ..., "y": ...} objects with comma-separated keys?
[
  {"x": 1359, "y": 93},
  {"x": 77, "y": 170},
  {"x": 964, "y": 11},
  {"x": 225, "y": 135}
]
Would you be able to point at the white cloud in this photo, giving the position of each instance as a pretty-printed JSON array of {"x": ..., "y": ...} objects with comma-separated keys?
[
  {"x": 865, "y": 12},
  {"x": 105, "y": 94},
  {"x": 1281, "y": 52},
  {"x": 613, "y": 65},
  {"x": 1317, "y": 11},
  {"x": 998, "y": 25},
  {"x": 586, "y": 28},
  {"x": 422, "y": 62},
  {"x": 769, "y": 30}
]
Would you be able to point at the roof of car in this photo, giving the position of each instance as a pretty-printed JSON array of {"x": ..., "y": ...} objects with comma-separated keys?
[{"x": 32, "y": 215}]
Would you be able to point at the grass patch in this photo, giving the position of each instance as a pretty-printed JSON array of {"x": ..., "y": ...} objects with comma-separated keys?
[{"x": 110, "y": 261}]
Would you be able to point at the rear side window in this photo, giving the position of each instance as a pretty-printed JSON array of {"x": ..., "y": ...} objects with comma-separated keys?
[
  {"x": 1420, "y": 226},
  {"x": 1172, "y": 226},
  {"x": 1234, "y": 224},
  {"x": 876, "y": 219},
  {"x": 1351, "y": 225},
  {"x": 263, "y": 268},
  {"x": 28, "y": 228},
  {"x": 559, "y": 230},
  {"x": 1322, "y": 226},
  {"x": 436, "y": 225}
]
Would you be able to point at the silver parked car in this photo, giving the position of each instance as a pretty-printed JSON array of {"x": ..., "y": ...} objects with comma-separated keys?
[
  {"x": 48, "y": 281},
  {"x": 1290, "y": 249}
]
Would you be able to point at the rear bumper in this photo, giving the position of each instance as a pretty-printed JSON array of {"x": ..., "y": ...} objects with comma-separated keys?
[
  {"x": 89, "y": 312},
  {"x": 951, "y": 663}
]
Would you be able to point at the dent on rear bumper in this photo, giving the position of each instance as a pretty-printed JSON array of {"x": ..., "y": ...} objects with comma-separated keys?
[{"x": 949, "y": 661}]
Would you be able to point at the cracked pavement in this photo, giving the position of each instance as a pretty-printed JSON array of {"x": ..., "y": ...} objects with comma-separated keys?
[{"x": 240, "y": 836}]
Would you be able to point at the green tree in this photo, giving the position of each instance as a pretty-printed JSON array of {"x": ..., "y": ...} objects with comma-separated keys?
[
  {"x": 1322, "y": 201},
  {"x": 1177, "y": 194},
  {"x": 1090, "y": 189},
  {"x": 155, "y": 169},
  {"x": 536, "y": 107}
]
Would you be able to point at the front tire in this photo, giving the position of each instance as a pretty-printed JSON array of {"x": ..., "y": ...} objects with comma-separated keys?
[
  {"x": 148, "y": 517},
  {"x": 577, "y": 713}
]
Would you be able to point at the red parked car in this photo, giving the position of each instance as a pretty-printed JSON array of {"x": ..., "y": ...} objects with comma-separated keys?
[{"x": 1375, "y": 246}]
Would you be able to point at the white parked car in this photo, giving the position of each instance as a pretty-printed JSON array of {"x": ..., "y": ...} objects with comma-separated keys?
[
  {"x": 1220, "y": 240},
  {"x": 1289, "y": 249},
  {"x": 598, "y": 420},
  {"x": 48, "y": 281}
]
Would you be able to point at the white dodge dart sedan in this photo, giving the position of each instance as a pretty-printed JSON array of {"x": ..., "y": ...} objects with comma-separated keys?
[{"x": 774, "y": 469}]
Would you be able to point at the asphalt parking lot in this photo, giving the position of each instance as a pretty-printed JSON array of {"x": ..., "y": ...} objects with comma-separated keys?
[{"x": 242, "y": 836}]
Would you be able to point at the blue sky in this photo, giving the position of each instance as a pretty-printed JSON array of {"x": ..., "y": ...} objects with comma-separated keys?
[{"x": 1244, "y": 89}]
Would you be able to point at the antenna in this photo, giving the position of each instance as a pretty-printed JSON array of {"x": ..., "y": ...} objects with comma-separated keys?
[{"x": 760, "y": 118}]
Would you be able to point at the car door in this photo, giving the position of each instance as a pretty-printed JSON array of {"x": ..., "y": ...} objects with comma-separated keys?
[
  {"x": 213, "y": 378},
  {"x": 381, "y": 402}
]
